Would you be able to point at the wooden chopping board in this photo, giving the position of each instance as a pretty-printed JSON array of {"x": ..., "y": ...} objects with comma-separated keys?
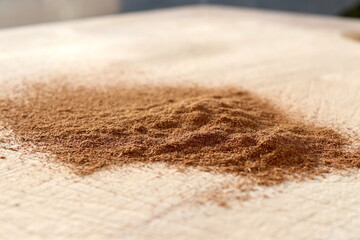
[{"x": 306, "y": 64}]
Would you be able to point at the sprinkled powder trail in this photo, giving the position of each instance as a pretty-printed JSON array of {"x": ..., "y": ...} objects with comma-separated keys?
[{"x": 221, "y": 130}]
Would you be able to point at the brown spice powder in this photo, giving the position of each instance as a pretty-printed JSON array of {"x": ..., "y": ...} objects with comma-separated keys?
[{"x": 222, "y": 130}]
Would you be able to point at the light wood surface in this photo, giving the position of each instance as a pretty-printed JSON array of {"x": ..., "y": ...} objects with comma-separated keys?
[{"x": 306, "y": 64}]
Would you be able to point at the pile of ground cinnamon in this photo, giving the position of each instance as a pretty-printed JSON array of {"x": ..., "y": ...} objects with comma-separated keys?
[{"x": 222, "y": 130}]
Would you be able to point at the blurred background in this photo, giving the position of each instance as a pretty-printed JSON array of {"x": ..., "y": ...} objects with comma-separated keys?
[{"x": 24, "y": 12}]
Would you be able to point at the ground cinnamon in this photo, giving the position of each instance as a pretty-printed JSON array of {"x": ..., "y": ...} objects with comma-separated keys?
[{"x": 222, "y": 130}]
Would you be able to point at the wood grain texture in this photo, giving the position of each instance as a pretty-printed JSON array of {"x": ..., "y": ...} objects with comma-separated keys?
[{"x": 304, "y": 64}]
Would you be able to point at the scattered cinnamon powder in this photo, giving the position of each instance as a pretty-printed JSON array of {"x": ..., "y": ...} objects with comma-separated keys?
[{"x": 222, "y": 130}]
